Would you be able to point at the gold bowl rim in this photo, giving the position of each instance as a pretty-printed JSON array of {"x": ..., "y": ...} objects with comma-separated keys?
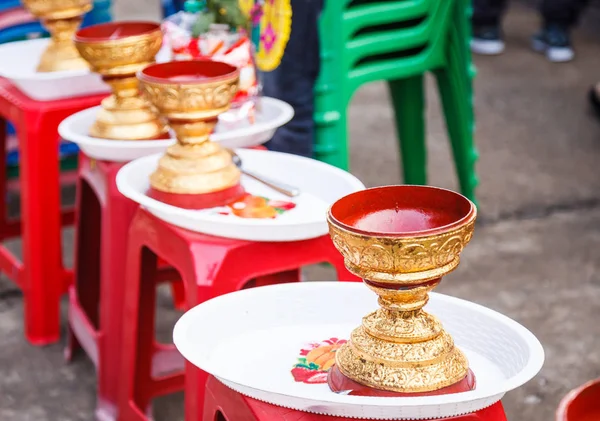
[
  {"x": 465, "y": 220},
  {"x": 143, "y": 76},
  {"x": 90, "y": 40}
]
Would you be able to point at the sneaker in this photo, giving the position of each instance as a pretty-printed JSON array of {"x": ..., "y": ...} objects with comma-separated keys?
[
  {"x": 554, "y": 42},
  {"x": 487, "y": 40}
]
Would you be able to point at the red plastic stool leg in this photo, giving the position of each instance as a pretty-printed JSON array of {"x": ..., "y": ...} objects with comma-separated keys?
[
  {"x": 195, "y": 385},
  {"x": 146, "y": 369},
  {"x": 178, "y": 295},
  {"x": 279, "y": 278},
  {"x": 139, "y": 303},
  {"x": 117, "y": 216},
  {"x": 3, "y": 180},
  {"x": 40, "y": 199},
  {"x": 222, "y": 403},
  {"x": 86, "y": 290}
]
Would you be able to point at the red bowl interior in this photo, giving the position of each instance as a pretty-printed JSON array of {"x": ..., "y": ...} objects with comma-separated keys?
[
  {"x": 581, "y": 405},
  {"x": 188, "y": 71},
  {"x": 114, "y": 31},
  {"x": 401, "y": 210}
]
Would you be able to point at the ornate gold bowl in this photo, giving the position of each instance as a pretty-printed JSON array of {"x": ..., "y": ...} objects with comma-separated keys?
[
  {"x": 61, "y": 18},
  {"x": 401, "y": 240},
  {"x": 195, "y": 172},
  {"x": 117, "y": 51}
]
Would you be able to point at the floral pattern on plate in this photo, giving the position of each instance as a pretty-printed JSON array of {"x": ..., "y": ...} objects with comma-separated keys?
[
  {"x": 257, "y": 207},
  {"x": 315, "y": 360}
]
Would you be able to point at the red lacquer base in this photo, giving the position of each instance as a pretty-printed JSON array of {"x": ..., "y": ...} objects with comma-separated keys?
[
  {"x": 164, "y": 136},
  {"x": 339, "y": 383},
  {"x": 198, "y": 201}
]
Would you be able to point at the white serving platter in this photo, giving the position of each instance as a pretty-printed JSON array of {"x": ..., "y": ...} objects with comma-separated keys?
[
  {"x": 250, "y": 340},
  {"x": 271, "y": 115},
  {"x": 320, "y": 184},
  {"x": 20, "y": 60}
]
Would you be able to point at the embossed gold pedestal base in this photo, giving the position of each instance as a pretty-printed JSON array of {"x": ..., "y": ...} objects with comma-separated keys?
[
  {"x": 61, "y": 54},
  {"x": 401, "y": 240},
  {"x": 339, "y": 383},
  {"x": 195, "y": 169},
  {"x": 61, "y": 18},
  {"x": 117, "y": 51},
  {"x": 194, "y": 173},
  {"x": 126, "y": 115}
]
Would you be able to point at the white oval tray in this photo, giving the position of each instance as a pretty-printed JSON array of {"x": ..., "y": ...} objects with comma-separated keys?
[
  {"x": 320, "y": 184},
  {"x": 20, "y": 60},
  {"x": 251, "y": 339},
  {"x": 272, "y": 114}
]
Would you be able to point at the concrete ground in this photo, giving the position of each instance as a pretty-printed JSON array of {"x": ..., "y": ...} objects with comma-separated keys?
[{"x": 535, "y": 255}]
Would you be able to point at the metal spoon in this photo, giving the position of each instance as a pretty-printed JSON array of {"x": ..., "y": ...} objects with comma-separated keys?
[{"x": 283, "y": 188}]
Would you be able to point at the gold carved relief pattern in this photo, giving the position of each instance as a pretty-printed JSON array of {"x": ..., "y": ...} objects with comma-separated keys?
[
  {"x": 405, "y": 326},
  {"x": 111, "y": 54},
  {"x": 176, "y": 97},
  {"x": 419, "y": 352},
  {"x": 47, "y": 7},
  {"x": 410, "y": 378},
  {"x": 394, "y": 255}
]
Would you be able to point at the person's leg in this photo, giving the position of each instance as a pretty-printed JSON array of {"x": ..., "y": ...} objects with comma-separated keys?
[
  {"x": 487, "y": 35},
  {"x": 562, "y": 12},
  {"x": 594, "y": 97},
  {"x": 488, "y": 12},
  {"x": 294, "y": 80},
  {"x": 559, "y": 16}
]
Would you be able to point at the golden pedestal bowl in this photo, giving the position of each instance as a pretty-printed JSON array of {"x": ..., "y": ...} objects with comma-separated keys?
[
  {"x": 61, "y": 18},
  {"x": 195, "y": 173},
  {"x": 401, "y": 240},
  {"x": 117, "y": 51}
]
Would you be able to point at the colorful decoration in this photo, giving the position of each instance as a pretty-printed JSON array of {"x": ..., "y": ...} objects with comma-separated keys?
[
  {"x": 275, "y": 23},
  {"x": 249, "y": 206},
  {"x": 234, "y": 49},
  {"x": 315, "y": 360},
  {"x": 226, "y": 12},
  {"x": 217, "y": 30}
]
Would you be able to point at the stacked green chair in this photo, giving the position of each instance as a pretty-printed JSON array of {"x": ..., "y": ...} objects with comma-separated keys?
[{"x": 398, "y": 41}]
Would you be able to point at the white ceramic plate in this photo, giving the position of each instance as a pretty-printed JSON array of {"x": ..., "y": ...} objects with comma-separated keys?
[
  {"x": 251, "y": 339},
  {"x": 321, "y": 185},
  {"x": 19, "y": 63},
  {"x": 272, "y": 114}
]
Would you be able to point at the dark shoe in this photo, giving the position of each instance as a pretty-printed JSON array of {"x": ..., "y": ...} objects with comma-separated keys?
[
  {"x": 554, "y": 42},
  {"x": 487, "y": 40},
  {"x": 594, "y": 97}
]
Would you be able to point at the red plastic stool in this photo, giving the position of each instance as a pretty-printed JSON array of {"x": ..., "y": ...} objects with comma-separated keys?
[
  {"x": 209, "y": 266},
  {"x": 225, "y": 404},
  {"x": 41, "y": 275},
  {"x": 96, "y": 297},
  {"x": 581, "y": 404}
]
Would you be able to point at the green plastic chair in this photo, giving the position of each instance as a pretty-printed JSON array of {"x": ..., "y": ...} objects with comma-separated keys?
[{"x": 398, "y": 41}]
